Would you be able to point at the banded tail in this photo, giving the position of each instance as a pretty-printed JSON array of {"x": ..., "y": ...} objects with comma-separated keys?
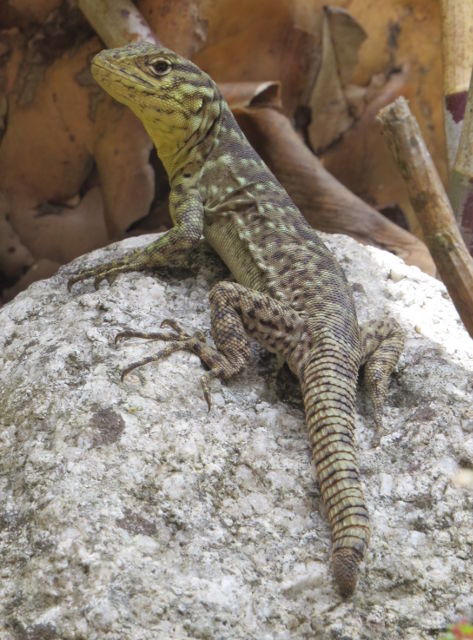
[{"x": 329, "y": 387}]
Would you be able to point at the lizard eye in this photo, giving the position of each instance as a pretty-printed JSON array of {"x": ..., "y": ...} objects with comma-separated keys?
[{"x": 160, "y": 67}]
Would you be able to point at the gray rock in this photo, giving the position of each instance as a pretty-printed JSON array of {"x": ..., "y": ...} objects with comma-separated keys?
[{"x": 129, "y": 511}]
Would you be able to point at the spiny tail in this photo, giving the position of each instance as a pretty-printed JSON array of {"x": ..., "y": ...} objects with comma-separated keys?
[{"x": 329, "y": 390}]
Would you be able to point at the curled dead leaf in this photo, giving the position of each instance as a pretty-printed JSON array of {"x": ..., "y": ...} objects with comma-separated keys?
[
  {"x": 330, "y": 108},
  {"x": 245, "y": 94},
  {"x": 122, "y": 151}
]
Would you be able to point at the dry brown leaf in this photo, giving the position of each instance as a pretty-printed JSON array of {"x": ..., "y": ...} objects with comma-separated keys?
[
  {"x": 180, "y": 25},
  {"x": 257, "y": 41},
  {"x": 46, "y": 150},
  {"x": 347, "y": 36},
  {"x": 45, "y": 155},
  {"x": 264, "y": 40},
  {"x": 122, "y": 150},
  {"x": 330, "y": 109},
  {"x": 361, "y": 162},
  {"x": 42, "y": 268},
  {"x": 15, "y": 12},
  {"x": 242, "y": 94},
  {"x": 15, "y": 258},
  {"x": 401, "y": 34},
  {"x": 83, "y": 226}
]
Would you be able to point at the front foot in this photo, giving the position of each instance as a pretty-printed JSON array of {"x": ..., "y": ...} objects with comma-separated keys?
[
  {"x": 178, "y": 341},
  {"x": 136, "y": 260}
]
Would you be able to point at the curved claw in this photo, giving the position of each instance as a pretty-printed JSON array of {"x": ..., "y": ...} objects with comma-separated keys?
[
  {"x": 179, "y": 336},
  {"x": 90, "y": 273},
  {"x": 135, "y": 365},
  {"x": 109, "y": 277},
  {"x": 74, "y": 279},
  {"x": 129, "y": 333},
  {"x": 169, "y": 322},
  {"x": 164, "y": 353}
]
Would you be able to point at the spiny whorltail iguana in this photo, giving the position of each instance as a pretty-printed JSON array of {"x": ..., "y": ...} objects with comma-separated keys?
[{"x": 290, "y": 294}]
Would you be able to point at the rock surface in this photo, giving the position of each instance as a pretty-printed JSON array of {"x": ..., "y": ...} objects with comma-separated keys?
[{"x": 127, "y": 510}]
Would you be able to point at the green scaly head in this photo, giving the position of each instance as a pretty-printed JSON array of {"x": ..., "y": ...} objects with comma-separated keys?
[{"x": 176, "y": 101}]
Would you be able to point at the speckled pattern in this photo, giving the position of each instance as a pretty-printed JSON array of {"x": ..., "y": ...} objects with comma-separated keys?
[{"x": 291, "y": 294}]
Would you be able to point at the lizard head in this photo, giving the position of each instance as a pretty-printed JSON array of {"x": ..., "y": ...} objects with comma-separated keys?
[{"x": 173, "y": 98}]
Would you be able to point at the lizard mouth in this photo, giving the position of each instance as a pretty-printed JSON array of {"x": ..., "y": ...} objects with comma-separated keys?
[
  {"x": 99, "y": 70},
  {"x": 112, "y": 79}
]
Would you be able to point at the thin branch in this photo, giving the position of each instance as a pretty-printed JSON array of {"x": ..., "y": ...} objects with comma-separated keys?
[
  {"x": 117, "y": 22},
  {"x": 431, "y": 205}
]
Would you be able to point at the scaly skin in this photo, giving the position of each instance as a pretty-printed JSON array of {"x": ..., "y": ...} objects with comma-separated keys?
[{"x": 291, "y": 293}]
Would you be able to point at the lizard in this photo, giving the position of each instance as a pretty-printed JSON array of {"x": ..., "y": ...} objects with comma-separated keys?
[{"x": 290, "y": 293}]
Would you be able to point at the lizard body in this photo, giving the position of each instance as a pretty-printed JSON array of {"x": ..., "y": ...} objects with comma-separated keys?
[{"x": 291, "y": 294}]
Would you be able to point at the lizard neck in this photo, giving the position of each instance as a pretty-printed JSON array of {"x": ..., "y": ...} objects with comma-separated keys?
[{"x": 189, "y": 153}]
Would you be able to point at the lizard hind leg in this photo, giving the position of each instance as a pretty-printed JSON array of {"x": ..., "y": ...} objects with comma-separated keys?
[
  {"x": 235, "y": 311},
  {"x": 382, "y": 342}
]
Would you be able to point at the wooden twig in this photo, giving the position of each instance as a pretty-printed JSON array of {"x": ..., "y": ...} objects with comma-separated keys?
[
  {"x": 117, "y": 22},
  {"x": 457, "y": 47},
  {"x": 431, "y": 205},
  {"x": 460, "y": 189}
]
